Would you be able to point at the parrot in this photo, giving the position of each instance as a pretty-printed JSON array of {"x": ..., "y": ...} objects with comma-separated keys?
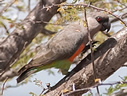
[{"x": 61, "y": 50}]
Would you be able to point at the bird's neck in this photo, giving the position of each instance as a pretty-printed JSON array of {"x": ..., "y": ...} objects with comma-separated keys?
[{"x": 93, "y": 26}]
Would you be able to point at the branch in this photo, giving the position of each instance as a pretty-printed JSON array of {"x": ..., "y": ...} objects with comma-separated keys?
[
  {"x": 2, "y": 89},
  {"x": 123, "y": 16},
  {"x": 9, "y": 74},
  {"x": 94, "y": 7},
  {"x": 106, "y": 63},
  {"x": 21, "y": 37},
  {"x": 8, "y": 5},
  {"x": 91, "y": 49},
  {"x": 97, "y": 85},
  {"x": 29, "y": 1}
]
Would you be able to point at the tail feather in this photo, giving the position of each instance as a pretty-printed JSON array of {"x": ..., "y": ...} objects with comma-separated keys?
[
  {"x": 23, "y": 69},
  {"x": 25, "y": 73}
]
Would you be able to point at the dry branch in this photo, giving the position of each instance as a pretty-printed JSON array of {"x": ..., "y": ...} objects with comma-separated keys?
[
  {"x": 6, "y": 7},
  {"x": 17, "y": 41}
]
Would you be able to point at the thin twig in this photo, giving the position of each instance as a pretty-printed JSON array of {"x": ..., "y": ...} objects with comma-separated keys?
[
  {"x": 48, "y": 88},
  {"x": 6, "y": 7},
  {"x": 91, "y": 48},
  {"x": 121, "y": 3},
  {"x": 2, "y": 89},
  {"x": 123, "y": 16},
  {"x": 94, "y": 7},
  {"x": 5, "y": 28},
  {"x": 121, "y": 9},
  {"x": 42, "y": 91},
  {"x": 29, "y": 5},
  {"x": 90, "y": 88},
  {"x": 90, "y": 6}
]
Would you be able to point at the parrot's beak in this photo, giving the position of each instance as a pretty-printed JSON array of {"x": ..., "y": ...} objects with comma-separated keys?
[{"x": 105, "y": 26}]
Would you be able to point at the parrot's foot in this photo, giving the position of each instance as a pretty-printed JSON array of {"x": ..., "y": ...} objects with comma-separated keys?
[
  {"x": 65, "y": 91},
  {"x": 97, "y": 80},
  {"x": 88, "y": 46}
]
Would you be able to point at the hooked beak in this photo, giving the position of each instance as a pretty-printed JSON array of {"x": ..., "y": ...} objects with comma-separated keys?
[{"x": 105, "y": 26}]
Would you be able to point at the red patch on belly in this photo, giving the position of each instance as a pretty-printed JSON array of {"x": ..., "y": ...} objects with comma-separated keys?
[{"x": 82, "y": 46}]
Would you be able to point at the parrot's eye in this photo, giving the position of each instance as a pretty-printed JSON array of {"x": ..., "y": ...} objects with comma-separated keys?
[{"x": 98, "y": 19}]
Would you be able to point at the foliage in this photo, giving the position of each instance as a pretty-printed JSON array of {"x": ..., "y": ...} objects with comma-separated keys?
[{"x": 116, "y": 88}]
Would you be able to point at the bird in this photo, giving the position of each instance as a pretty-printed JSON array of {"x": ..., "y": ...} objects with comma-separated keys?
[{"x": 61, "y": 50}]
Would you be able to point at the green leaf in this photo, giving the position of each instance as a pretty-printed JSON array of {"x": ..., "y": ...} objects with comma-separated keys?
[{"x": 33, "y": 94}]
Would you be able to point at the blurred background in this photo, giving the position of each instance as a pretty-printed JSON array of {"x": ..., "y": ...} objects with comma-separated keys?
[{"x": 33, "y": 86}]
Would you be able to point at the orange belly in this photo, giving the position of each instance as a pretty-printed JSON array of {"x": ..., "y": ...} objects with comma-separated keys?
[{"x": 82, "y": 46}]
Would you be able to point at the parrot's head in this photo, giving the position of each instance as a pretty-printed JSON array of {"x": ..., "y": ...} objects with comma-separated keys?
[{"x": 102, "y": 19}]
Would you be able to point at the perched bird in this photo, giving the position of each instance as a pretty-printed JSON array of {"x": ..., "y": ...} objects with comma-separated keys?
[{"x": 61, "y": 50}]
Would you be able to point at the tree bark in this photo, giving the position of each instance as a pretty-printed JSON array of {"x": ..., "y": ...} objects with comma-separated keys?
[
  {"x": 21, "y": 37},
  {"x": 105, "y": 64}
]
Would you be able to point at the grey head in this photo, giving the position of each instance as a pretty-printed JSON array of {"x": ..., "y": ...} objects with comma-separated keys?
[{"x": 102, "y": 18}]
